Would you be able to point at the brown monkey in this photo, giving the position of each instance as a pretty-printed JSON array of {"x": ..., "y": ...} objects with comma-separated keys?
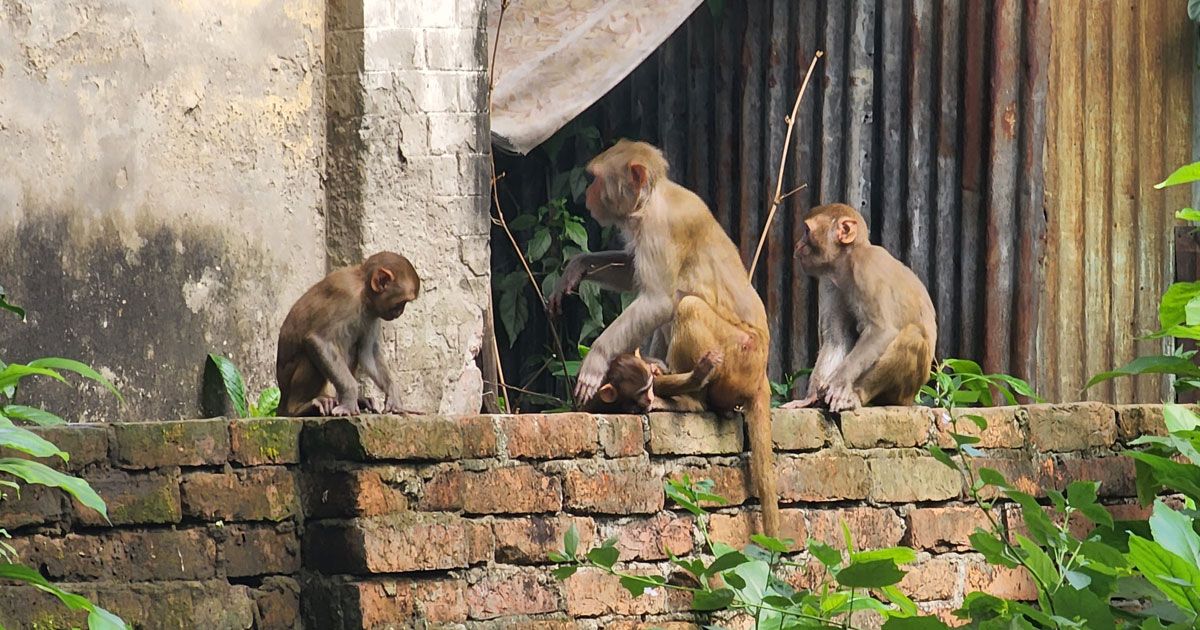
[
  {"x": 333, "y": 329},
  {"x": 631, "y": 382},
  {"x": 688, "y": 275},
  {"x": 877, "y": 325}
]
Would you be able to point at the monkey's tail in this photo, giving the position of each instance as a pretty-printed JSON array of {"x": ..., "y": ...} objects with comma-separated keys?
[{"x": 762, "y": 457}]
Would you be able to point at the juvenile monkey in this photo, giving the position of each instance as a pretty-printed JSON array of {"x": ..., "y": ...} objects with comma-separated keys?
[
  {"x": 877, "y": 325},
  {"x": 689, "y": 280},
  {"x": 631, "y": 382},
  {"x": 333, "y": 329}
]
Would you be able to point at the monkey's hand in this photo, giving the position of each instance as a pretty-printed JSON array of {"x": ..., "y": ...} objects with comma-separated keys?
[
  {"x": 368, "y": 405},
  {"x": 807, "y": 401},
  {"x": 591, "y": 376},
  {"x": 567, "y": 284},
  {"x": 841, "y": 397}
]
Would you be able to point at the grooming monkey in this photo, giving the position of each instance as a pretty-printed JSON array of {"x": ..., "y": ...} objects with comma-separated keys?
[
  {"x": 877, "y": 325},
  {"x": 333, "y": 329},
  {"x": 688, "y": 274}
]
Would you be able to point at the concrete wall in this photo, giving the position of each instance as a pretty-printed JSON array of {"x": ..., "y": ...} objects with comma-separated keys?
[{"x": 162, "y": 184}]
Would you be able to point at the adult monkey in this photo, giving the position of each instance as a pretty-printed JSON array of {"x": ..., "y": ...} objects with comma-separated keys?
[
  {"x": 688, "y": 274},
  {"x": 876, "y": 321}
]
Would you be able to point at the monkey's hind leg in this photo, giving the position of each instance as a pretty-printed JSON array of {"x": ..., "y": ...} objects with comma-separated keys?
[{"x": 897, "y": 377}]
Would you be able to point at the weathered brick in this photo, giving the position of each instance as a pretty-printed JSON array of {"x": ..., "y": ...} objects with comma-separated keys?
[
  {"x": 150, "y": 498},
  {"x": 381, "y": 438},
  {"x": 621, "y": 486},
  {"x": 1071, "y": 427},
  {"x": 479, "y": 437},
  {"x": 592, "y": 593},
  {"x": 735, "y": 529},
  {"x": 633, "y": 624},
  {"x": 504, "y": 594},
  {"x": 729, "y": 482},
  {"x": 871, "y": 427},
  {"x": 277, "y": 604},
  {"x": 512, "y": 490},
  {"x": 250, "y": 550},
  {"x": 1134, "y": 421},
  {"x": 187, "y": 554},
  {"x": 1003, "y": 427},
  {"x": 870, "y": 527},
  {"x": 87, "y": 445},
  {"x": 74, "y": 557},
  {"x": 999, "y": 581},
  {"x": 481, "y": 543},
  {"x": 530, "y": 540},
  {"x": 444, "y": 491},
  {"x": 258, "y": 441},
  {"x": 35, "y": 505},
  {"x": 1020, "y": 471},
  {"x": 252, "y": 494},
  {"x": 1116, "y": 474},
  {"x": 622, "y": 436},
  {"x": 905, "y": 479},
  {"x": 550, "y": 436},
  {"x": 823, "y": 478},
  {"x": 945, "y": 528},
  {"x": 360, "y": 492},
  {"x": 175, "y": 443},
  {"x": 394, "y": 543},
  {"x": 694, "y": 434},
  {"x": 651, "y": 538},
  {"x": 799, "y": 429},
  {"x": 173, "y": 604},
  {"x": 931, "y": 578}
]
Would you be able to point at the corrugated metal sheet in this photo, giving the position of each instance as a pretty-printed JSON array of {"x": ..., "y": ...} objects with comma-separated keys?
[
  {"x": 1119, "y": 120},
  {"x": 930, "y": 116}
]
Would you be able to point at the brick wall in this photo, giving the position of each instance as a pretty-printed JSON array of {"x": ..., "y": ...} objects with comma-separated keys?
[{"x": 379, "y": 522}]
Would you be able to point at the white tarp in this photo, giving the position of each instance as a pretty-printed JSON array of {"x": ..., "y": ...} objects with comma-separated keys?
[{"x": 558, "y": 57}]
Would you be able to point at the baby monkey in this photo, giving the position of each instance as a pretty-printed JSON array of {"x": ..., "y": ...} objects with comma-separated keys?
[
  {"x": 630, "y": 382},
  {"x": 333, "y": 329}
]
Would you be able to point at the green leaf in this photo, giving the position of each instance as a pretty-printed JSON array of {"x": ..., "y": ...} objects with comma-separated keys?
[
  {"x": 1083, "y": 606},
  {"x": 992, "y": 477},
  {"x": 992, "y": 548},
  {"x": 915, "y": 623},
  {"x": 898, "y": 555},
  {"x": 1165, "y": 570},
  {"x": 1037, "y": 561},
  {"x": 603, "y": 556},
  {"x": 13, "y": 373},
  {"x": 941, "y": 456},
  {"x": 712, "y": 600},
  {"x": 12, "y": 308},
  {"x": 538, "y": 245},
  {"x": 964, "y": 440},
  {"x": 577, "y": 233},
  {"x": 1172, "y": 308},
  {"x": 726, "y": 562},
  {"x": 825, "y": 554},
  {"x": 100, "y": 619},
  {"x": 1081, "y": 495},
  {"x": 34, "y": 415},
  {"x": 513, "y": 310},
  {"x": 34, "y": 472},
  {"x": 1161, "y": 364},
  {"x": 1188, "y": 214},
  {"x": 1183, "y": 175},
  {"x": 268, "y": 403},
  {"x": 964, "y": 366},
  {"x": 71, "y": 365},
  {"x": 562, "y": 573},
  {"x": 1175, "y": 532},
  {"x": 29, "y": 442},
  {"x": 235, "y": 388},
  {"x": 1181, "y": 477},
  {"x": 871, "y": 574},
  {"x": 773, "y": 545},
  {"x": 522, "y": 222},
  {"x": 571, "y": 540}
]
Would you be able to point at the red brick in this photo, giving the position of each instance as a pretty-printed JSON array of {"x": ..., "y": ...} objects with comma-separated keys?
[
  {"x": 822, "y": 478},
  {"x": 872, "y": 427},
  {"x": 188, "y": 554},
  {"x": 277, "y": 604},
  {"x": 729, "y": 482},
  {"x": 258, "y": 441},
  {"x": 481, "y": 543},
  {"x": 735, "y": 529},
  {"x": 361, "y": 492},
  {"x": 173, "y": 604},
  {"x": 396, "y": 543},
  {"x": 931, "y": 578},
  {"x": 384, "y": 603},
  {"x": 503, "y": 594},
  {"x": 74, "y": 556},
  {"x": 694, "y": 434},
  {"x": 1134, "y": 421},
  {"x": 176, "y": 443},
  {"x": 999, "y": 581},
  {"x": 870, "y": 527},
  {"x": 252, "y": 494},
  {"x": 622, "y": 436},
  {"x": 1116, "y": 474},
  {"x": 906, "y": 479},
  {"x": 530, "y": 540},
  {"x": 35, "y": 505},
  {"x": 622, "y": 486},
  {"x": 444, "y": 491},
  {"x": 1071, "y": 427},
  {"x": 479, "y": 437},
  {"x": 651, "y": 625},
  {"x": 592, "y": 593},
  {"x": 650, "y": 538},
  {"x": 550, "y": 436},
  {"x": 86, "y": 444},
  {"x": 150, "y": 498},
  {"x": 799, "y": 429},
  {"x": 382, "y": 438},
  {"x": 945, "y": 528},
  {"x": 1003, "y": 427},
  {"x": 1022, "y": 473},
  {"x": 511, "y": 490},
  {"x": 250, "y": 550}
]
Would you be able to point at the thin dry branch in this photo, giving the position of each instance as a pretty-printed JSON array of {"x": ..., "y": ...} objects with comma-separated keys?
[{"x": 787, "y": 141}]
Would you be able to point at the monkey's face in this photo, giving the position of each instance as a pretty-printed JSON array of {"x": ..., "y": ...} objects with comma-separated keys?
[
  {"x": 630, "y": 381},
  {"x": 607, "y": 197},
  {"x": 388, "y": 302},
  {"x": 817, "y": 246}
]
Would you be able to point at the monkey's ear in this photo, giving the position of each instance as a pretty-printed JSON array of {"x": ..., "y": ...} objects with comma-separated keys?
[
  {"x": 639, "y": 174},
  {"x": 607, "y": 393},
  {"x": 847, "y": 230},
  {"x": 381, "y": 279},
  {"x": 637, "y": 352}
]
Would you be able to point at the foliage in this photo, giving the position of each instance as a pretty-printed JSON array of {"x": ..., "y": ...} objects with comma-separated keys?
[
  {"x": 782, "y": 392},
  {"x": 12, "y": 308},
  {"x": 15, "y": 438},
  {"x": 750, "y": 580},
  {"x": 235, "y": 387}
]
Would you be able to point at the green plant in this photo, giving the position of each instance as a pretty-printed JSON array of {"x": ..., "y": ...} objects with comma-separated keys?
[
  {"x": 19, "y": 469},
  {"x": 782, "y": 392},
  {"x": 268, "y": 399},
  {"x": 749, "y": 581}
]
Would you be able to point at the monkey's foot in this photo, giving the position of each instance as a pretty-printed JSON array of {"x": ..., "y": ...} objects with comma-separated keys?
[
  {"x": 842, "y": 398},
  {"x": 801, "y": 403},
  {"x": 368, "y": 405}
]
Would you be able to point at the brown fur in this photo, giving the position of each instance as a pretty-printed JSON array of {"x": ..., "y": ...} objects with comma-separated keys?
[
  {"x": 688, "y": 274},
  {"x": 877, "y": 324},
  {"x": 333, "y": 329}
]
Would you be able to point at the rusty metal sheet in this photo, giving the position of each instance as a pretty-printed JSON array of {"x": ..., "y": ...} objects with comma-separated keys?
[
  {"x": 728, "y": 46},
  {"x": 1096, "y": 171},
  {"x": 1151, "y": 222},
  {"x": 945, "y": 276},
  {"x": 889, "y": 227},
  {"x": 975, "y": 75},
  {"x": 804, "y": 170},
  {"x": 920, "y": 139},
  {"x": 1124, "y": 194},
  {"x": 774, "y": 267},
  {"x": 860, "y": 92},
  {"x": 700, "y": 115},
  {"x": 672, "y": 100},
  {"x": 833, "y": 103},
  {"x": 750, "y": 158}
]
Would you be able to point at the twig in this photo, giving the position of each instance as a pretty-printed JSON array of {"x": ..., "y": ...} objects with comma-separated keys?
[
  {"x": 499, "y": 219},
  {"x": 787, "y": 141},
  {"x": 550, "y": 397}
]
